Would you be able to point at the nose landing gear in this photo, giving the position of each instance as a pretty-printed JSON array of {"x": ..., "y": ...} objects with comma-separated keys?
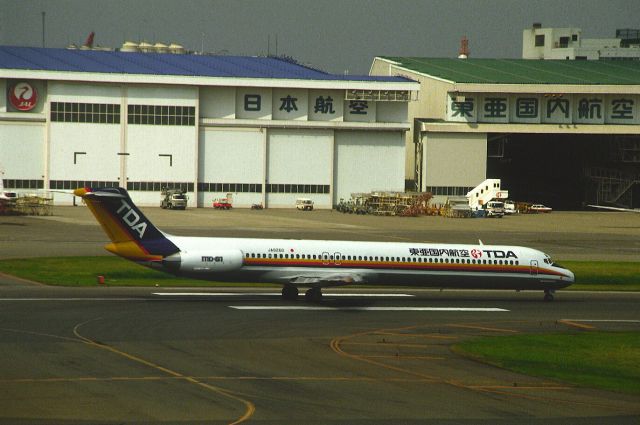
[{"x": 548, "y": 295}]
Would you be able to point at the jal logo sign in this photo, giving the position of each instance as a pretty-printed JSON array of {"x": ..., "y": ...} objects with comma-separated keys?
[{"x": 23, "y": 96}]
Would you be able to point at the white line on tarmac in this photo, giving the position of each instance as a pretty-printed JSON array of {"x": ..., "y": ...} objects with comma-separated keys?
[
  {"x": 69, "y": 299},
  {"x": 322, "y": 308},
  {"x": 239, "y": 294},
  {"x": 603, "y": 320}
]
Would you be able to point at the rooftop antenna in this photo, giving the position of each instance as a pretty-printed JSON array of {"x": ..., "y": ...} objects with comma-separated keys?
[
  {"x": 463, "y": 53},
  {"x": 43, "y": 29}
]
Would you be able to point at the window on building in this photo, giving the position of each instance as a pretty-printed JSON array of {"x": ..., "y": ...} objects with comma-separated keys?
[
  {"x": 94, "y": 113},
  {"x": 161, "y": 115},
  {"x": 539, "y": 40}
]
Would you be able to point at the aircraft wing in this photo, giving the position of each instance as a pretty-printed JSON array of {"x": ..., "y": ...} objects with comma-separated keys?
[{"x": 615, "y": 208}]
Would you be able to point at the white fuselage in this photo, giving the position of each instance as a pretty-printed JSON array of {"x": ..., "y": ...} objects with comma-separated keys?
[{"x": 331, "y": 263}]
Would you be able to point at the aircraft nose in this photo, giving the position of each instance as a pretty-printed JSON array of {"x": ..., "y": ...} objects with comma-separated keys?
[{"x": 569, "y": 275}]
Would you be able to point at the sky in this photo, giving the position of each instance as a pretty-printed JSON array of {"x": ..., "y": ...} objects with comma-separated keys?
[{"x": 338, "y": 36}]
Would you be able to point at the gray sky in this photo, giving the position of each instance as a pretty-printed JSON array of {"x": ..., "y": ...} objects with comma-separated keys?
[{"x": 333, "y": 35}]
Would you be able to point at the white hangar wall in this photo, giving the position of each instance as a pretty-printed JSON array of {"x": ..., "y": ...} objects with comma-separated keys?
[
  {"x": 22, "y": 151},
  {"x": 299, "y": 166},
  {"x": 367, "y": 161},
  {"x": 229, "y": 157},
  {"x": 255, "y": 144},
  {"x": 80, "y": 146},
  {"x": 164, "y": 151},
  {"x": 453, "y": 163}
]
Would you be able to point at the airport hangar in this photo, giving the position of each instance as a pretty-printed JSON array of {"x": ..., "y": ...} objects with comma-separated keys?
[
  {"x": 262, "y": 129},
  {"x": 562, "y": 132}
]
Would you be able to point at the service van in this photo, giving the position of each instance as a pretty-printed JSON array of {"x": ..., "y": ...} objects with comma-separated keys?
[{"x": 304, "y": 204}]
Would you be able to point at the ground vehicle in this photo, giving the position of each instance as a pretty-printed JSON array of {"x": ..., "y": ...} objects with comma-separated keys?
[
  {"x": 494, "y": 209},
  {"x": 510, "y": 207},
  {"x": 173, "y": 199},
  {"x": 304, "y": 204},
  {"x": 222, "y": 204},
  {"x": 540, "y": 208}
]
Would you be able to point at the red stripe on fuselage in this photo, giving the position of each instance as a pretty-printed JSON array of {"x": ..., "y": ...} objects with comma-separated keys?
[{"x": 523, "y": 269}]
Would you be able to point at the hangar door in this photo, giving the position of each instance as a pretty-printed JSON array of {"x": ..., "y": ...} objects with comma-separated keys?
[
  {"x": 299, "y": 165},
  {"x": 231, "y": 161},
  {"x": 367, "y": 161}
]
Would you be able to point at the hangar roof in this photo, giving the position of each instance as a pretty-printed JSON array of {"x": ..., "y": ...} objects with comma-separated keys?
[
  {"x": 523, "y": 71},
  {"x": 166, "y": 64}
]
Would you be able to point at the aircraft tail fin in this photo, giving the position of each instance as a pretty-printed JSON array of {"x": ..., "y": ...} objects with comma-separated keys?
[{"x": 132, "y": 235}]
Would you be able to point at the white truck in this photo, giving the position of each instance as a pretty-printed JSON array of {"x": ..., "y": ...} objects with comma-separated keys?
[
  {"x": 494, "y": 209},
  {"x": 173, "y": 199}
]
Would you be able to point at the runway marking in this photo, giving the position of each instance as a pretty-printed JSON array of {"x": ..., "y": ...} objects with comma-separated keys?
[
  {"x": 71, "y": 299},
  {"x": 601, "y": 320},
  {"x": 326, "y": 308},
  {"x": 575, "y": 324},
  {"x": 390, "y": 345},
  {"x": 401, "y": 357},
  {"x": 483, "y": 328},
  {"x": 270, "y": 294},
  {"x": 400, "y": 334},
  {"x": 209, "y": 378},
  {"x": 250, "y": 407}
]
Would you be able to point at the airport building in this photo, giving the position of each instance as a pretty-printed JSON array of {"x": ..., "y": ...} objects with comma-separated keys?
[
  {"x": 259, "y": 129},
  {"x": 568, "y": 43},
  {"x": 564, "y": 133}
]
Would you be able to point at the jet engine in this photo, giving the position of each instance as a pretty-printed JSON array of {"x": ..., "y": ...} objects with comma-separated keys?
[{"x": 224, "y": 260}]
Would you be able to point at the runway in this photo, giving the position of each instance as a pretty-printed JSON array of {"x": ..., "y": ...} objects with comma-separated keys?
[
  {"x": 108, "y": 355},
  {"x": 127, "y": 355}
]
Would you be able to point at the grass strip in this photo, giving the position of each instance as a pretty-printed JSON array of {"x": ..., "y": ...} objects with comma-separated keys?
[
  {"x": 605, "y": 360},
  {"x": 83, "y": 271},
  {"x": 604, "y": 275}
]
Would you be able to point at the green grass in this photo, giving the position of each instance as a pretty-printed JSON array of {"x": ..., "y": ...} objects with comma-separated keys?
[
  {"x": 82, "y": 271},
  {"x": 605, "y": 360},
  {"x": 604, "y": 275}
]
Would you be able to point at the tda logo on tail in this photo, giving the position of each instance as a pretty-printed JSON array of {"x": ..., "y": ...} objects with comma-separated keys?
[{"x": 132, "y": 218}]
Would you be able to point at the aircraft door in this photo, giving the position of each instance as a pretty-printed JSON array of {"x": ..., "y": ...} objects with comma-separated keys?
[
  {"x": 534, "y": 268},
  {"x": 325, "y": 258},
  {"x": 337, "y": 258}
]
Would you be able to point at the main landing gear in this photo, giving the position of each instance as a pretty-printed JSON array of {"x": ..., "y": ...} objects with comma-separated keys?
[
  {"x": 548, "y": 295},
  {"x": 290, "y": 293},
  {"x": 313, "y": 295}
]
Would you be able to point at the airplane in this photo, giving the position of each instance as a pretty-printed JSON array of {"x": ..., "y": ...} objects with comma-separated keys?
[{"x": 318, "y": 264}]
